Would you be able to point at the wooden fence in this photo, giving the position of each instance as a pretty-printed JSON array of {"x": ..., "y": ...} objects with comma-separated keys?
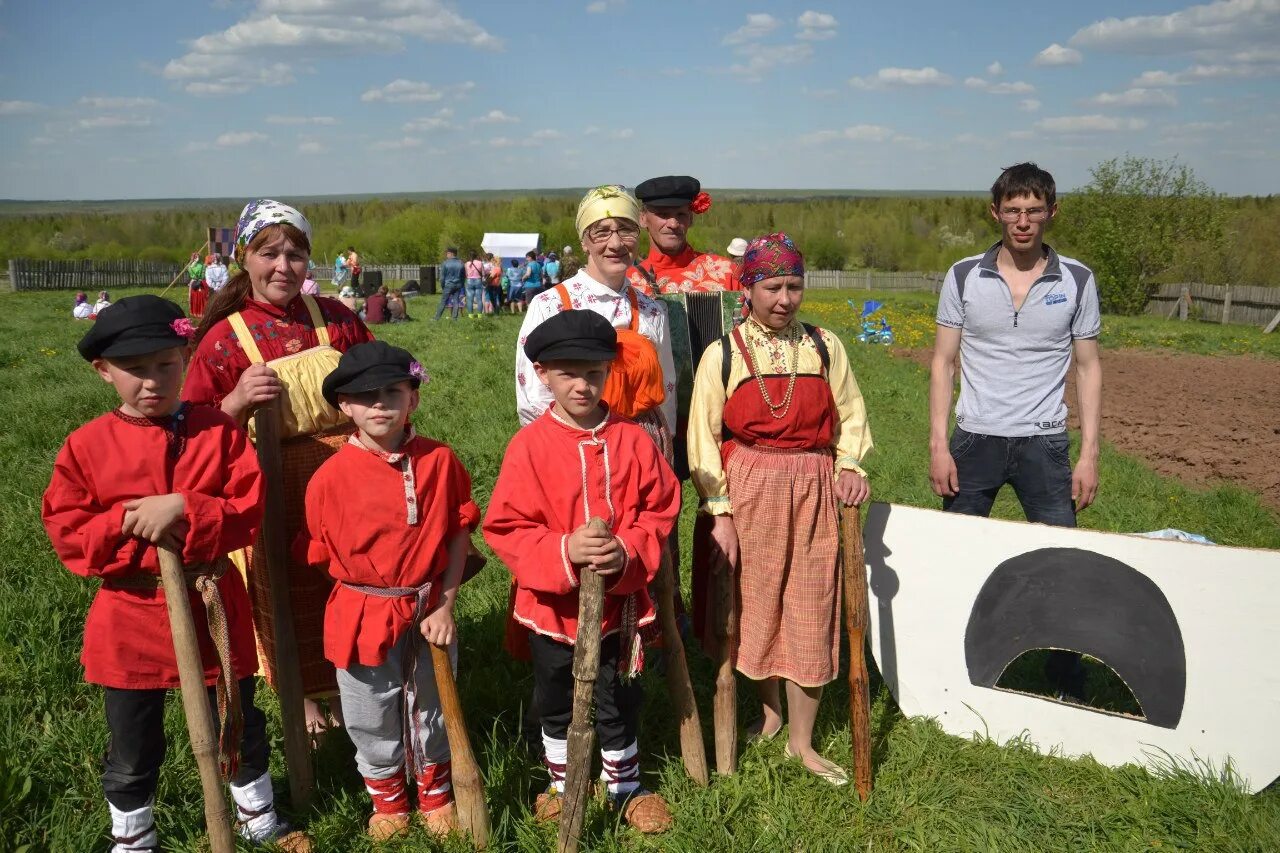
[
  {"x": 869, "y": 280},
  {"x": 88, "y": 275},
  {"x": 1218, "y": 303}
]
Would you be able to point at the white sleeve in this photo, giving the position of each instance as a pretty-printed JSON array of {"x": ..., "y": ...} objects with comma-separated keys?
[
  {"x": 532, "y": 397},
  {"x": 662, "y": 336}
]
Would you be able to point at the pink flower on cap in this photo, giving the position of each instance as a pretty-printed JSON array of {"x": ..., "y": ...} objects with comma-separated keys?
[
  {"x": 418, "y": 372},
  {"x": 183, "y": 327}
]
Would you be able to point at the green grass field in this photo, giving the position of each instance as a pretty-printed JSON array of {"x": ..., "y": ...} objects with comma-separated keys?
[{"x": 933, "y": 791}]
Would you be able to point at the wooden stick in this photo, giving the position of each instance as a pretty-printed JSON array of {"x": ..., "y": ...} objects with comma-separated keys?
[
  {"x": 297, "y": 749},
  {"x": 692, "y": 749},
  {"x": 195, "y": 702},
  {"x": 853, "y": 562},
  {"x": 183, "y": 271},
  {"x": 726, "y": 696},
  {"x": 468, "y": 786},
  {"x": 581, "y": 739}
]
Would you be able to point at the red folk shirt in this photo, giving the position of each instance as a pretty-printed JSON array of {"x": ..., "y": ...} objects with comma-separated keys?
[
  {"x": 690, "y": 271},
  {"x": 219, "y": 360},
  {"x": 539, "y": 500},
  {"x": 382, "y": 520},
  {"x": 127, "y": 641}
]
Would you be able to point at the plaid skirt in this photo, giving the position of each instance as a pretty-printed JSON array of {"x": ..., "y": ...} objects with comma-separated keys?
[
  {"x": 309, "y": 587},
  {"x": 784, "y": 509}
]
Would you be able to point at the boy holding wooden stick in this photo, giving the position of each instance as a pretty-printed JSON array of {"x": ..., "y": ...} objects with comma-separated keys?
[
  {"x": 574, "y": 462},
  {"x": 390, "y": 517},
  {"x": 157, "y": 472}
]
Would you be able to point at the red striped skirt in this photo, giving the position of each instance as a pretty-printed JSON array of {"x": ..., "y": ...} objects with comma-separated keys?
[
  {"x": 196, "y": 301},
  {"x": 309, "y": 587},
  {"x": 784, "y": 510}
]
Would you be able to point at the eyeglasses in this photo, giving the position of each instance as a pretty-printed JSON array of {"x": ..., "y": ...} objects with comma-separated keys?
[
  {"x": 628, "y": 234},
  {"x": 1033, "y": 214}
]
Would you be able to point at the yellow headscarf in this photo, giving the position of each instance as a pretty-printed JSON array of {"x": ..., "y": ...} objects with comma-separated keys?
[{"x": 607, "y": 202}]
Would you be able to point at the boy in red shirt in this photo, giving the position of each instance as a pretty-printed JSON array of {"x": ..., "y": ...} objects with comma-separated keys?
[
  {"x": 574, "y": 462},
  {"x": 160, "y": 472},
  {"x": 390, "y": 517}
]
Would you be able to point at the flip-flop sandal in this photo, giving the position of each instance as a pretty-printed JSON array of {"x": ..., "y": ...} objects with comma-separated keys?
[
  {"x": 831, "y": 773},
  {"x": 757, "y": 734}
]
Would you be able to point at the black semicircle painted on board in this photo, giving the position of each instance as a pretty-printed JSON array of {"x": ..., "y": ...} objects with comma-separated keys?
[{"x": 1069, "y": 598}]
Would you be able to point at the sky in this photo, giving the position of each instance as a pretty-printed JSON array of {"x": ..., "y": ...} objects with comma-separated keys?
[{"x": 232, "y": 98}]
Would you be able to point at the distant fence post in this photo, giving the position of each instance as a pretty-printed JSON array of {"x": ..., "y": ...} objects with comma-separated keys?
[
  {"x": 868, "y": 279},
  {"x": 1184, "y": 301},
  {"x": 1226, "y": 305},
  {"x": 13, "y": 275}
]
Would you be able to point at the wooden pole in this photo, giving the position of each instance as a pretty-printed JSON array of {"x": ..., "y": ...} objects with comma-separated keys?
[
  {"x": 726, "y": 696},
  {"x": 468, "y": 785},
  {"x": 195, "y": 702},
  {"x": 297, "y": 749},
  {"x": 692, "y": 750},
  {"x": 855, "y": 615},
  {"x": 1226, "y": 305},
  {"x": 1271, "y": 327},
  {"x": 1184, "y": 302},
  {"x": 581, "y": 739}
]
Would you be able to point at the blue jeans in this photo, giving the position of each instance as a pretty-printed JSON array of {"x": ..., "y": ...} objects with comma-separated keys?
[
  {"x": 451, "y": 298},
  {"x": 1037, "y": 466},
  {"x": 475, "y": 295}
]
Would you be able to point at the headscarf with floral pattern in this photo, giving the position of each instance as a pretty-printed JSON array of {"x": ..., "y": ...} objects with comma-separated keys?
[
  {"x": 261, "y": 213},
  {"x": 770, "y": 256},
  {"x": 606, "y": 202}
]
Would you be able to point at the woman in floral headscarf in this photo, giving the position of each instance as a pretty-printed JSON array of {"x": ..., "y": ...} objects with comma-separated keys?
[
  {"x": 260, "y": 336},
  {"x": 777, "y": 434}
]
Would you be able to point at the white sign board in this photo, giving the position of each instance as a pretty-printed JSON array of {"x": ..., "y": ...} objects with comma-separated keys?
[
  {"x": 1192, "y": 629},
  {"x": 510, "y": 245}
]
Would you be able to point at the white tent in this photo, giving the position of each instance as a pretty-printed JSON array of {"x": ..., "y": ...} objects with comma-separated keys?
[{"x": 510, "y": 245}]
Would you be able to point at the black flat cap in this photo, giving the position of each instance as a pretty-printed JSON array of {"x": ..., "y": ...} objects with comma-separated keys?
[
  {"x": 136, "y": 325},
  {"x": 369, "y": 367},
  {"x": 572, "y": 336},
  {"x": 668, "y": 190}
]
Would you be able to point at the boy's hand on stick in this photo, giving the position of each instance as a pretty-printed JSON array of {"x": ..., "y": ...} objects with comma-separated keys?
[
  {"x": 439, "y": 628},
  {"x": 588, "y": 542},
  {"x": 612, "y": 560},
  {"x": 154, "y": 518}
]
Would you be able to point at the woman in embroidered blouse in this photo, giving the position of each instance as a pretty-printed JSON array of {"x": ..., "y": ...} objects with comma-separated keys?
[
  {"x": 273, "y": 245},
  {"x": 772, "y": 448}
]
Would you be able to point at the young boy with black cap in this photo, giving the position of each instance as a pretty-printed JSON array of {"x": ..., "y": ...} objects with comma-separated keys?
[
  {"x": 156, "y": 471},
  {"x": 390, "y": 517},
  {"x": 576, "y": 461}
]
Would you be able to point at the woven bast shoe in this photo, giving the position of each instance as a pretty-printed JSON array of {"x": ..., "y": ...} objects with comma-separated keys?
[
  {"x": 384, "y": 827},
  {"x": 439, "y": 822},
  {"x": 547, "y": 807},
  {"x": 643, "y": 810}
]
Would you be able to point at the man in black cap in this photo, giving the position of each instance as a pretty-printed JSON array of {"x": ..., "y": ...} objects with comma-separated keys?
[
  {"x": 153, "y": 473},
  {"x": 673, "y": 266}
]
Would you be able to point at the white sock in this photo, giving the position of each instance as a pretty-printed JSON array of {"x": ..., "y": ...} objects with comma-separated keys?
[
  {"x": 252, "y": 799},
  {"x": 135, "y": 830},
  {"x": 621, "y": 770},
  {"x": 556, "y": 757}
]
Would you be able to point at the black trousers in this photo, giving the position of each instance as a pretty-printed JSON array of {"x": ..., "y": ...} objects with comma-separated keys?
[
  {"x": 617, "y": 702},
  {"x": 135, "y": 719}
]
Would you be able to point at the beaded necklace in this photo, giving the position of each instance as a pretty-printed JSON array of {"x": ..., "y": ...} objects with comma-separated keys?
[{"x": 777, "y": 410}]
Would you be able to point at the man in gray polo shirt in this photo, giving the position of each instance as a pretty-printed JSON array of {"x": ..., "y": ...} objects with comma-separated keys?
[{"x": 1017, "y": 314}]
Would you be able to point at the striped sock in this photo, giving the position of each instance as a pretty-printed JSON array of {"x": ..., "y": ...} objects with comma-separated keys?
[
  {"x": 621, "y": 768},
  {"x": 556, "y": 757},
  {"x": 435, "y": 786},
  {"x": 390, "y": 795}
]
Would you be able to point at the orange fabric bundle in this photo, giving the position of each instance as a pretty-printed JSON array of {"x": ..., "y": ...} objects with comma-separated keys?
[{"x": 635, "y": 379}]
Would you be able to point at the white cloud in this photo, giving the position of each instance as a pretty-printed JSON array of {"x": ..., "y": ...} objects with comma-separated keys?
[
  {"x": 43, "y": 141},
  {"x": 310, "y": 146},
  {"x": 1022, "y": 135},
  {"x": 1136, "y": 97},
  {"x": 402, "y": 91},
  {"x": 995, "y": 69},
  {"x": 761, "y": 59},
  {"x": 509, "y": 142},
  {"x": 1224, "y": 24},
  {"x": 19, "y": 108},
  {"x": 1206, "y": 73},
  {"x": 622, "y": 133},
  {"x": 590, "y": 130},
  {"x": 110, "y": 121},
  {"x": 1018, "y": 88},
  {"x": 547, "y": 133},
  {"x": 98, "y": 103},
  {"x": 758, "y": 25},
  {"x": 1029, "y": 105},
  {"x": 1155, "y": 78},
  {"x": 495, "y": 117},
  {"x": 300, "y": 120},
  {"x": 242, "y": 137},
  {"x": 1081, "y": 125},
  {"x": 289, "y": 31},
  {"x": 892, "y": 78},
  {"x": 396, "y": 144},
  {"x": 442, "y": 120},
  {"x": 602, "y": 6},
  {"x": 854, "y": 133},
  {"x": 816, "y": 26},
  {"x": 1056, "y": 54}
]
